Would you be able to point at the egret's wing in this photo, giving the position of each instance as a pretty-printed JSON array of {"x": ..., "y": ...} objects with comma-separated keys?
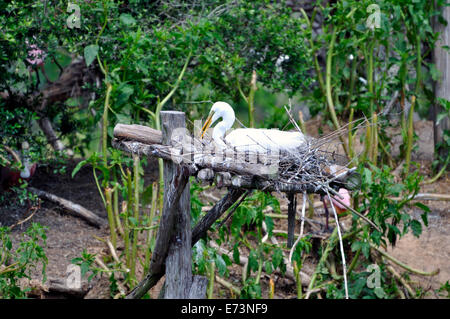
[{"x": 261, "y": 140}]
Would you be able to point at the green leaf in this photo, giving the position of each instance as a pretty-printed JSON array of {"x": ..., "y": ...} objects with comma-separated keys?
[
  {"x": 220, "y": 264},
  {"x": 236, "y": 254},
  {"x": 416, "y": 227},
  {"x": 270, "y": 224},
  {"x": 133, "y": 221},
  {"x": 424, "y": 217},
  {"x": 380, "y": 292},
  {"x": 253, "y": 260},
  {"x": 127, "y": 19},
  {"x": 268, "y": 267},
  {"x": 90, "y": 52},
  {"x": 367, "y": 176},
  {"x": 277, "y": 257},
  {"x": 78, "y": 167},
  {"x": 423, "y": 207}
]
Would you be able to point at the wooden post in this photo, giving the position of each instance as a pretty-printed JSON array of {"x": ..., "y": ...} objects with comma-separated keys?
[
  {"x": 178, "y": 261},
  {"x": 292, "y": 208},
  {"x": 442, "y": 86}
]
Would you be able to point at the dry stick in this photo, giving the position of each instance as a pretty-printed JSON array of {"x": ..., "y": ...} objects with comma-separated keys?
[
  {"x": 13, "y": 154},
  {"x": 35, "y": 209},
  {"x": 424, "y": 196},
  {"x": 71, "y": 207},
  {"x": 228, "y": 285},
  {"x": 302, "y": 225},
  {"x": 402, "y": 280},
  {"x": 106, "y": 269},
  {"x": 439, "y": 174},
  {"x": 310, "y": 196},
  {"x": 415, "y": 271},
  {"x": 340, "y": 244},
  {"x": 112, "y": 251},
  {"x": 353, "y": 211}
]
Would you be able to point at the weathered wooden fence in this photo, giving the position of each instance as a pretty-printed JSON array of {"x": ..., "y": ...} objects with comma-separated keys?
[{"x": 172, "y": 252}]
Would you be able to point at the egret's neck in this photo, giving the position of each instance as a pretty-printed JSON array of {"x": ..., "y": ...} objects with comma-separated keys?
[
  {"x": 228, "y": 120},
  {"x": 219, "y": 133}
]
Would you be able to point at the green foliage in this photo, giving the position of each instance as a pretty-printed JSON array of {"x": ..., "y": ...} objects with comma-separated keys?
[
  {"x": 19, "y": 260},
  {"x": 378, "y": 186},
  {"x": 86, "y": 262}
]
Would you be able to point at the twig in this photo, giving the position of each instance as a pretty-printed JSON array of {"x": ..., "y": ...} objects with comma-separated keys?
[
  {"x": 34, "y": 208},
  {"x": 302, "y": 225},
  {"x": 341, "y": 245},
  {"x": 114, "y": 254},
  {"x": 228, "y": 285},
  {"x": 415, "y": 271},
  {"x": 424, "y": 196},
  {"x": 402, "y": 280},
  {"x": 439, "y": 174}
]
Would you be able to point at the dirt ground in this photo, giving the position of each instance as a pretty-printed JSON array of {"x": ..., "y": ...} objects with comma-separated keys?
[{"x": 68, "y": 235}]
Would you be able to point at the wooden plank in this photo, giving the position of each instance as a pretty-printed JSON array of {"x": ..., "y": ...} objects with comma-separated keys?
[
  {"x": 139, "y": 133},
  {"x": 179, "y": 258}
]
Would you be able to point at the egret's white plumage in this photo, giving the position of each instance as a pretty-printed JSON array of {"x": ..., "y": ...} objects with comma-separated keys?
[{"x": 253, "y": 140}]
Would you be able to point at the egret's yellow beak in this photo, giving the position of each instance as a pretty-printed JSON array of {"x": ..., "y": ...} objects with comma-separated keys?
[{"x": 207, "y": 124}]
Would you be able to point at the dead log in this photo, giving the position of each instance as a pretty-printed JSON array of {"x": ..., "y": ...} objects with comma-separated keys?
[
  {"x": 138, "y": 133},
  {"x": 57, "y": 286},
  {"x": 74, "y": 209}
]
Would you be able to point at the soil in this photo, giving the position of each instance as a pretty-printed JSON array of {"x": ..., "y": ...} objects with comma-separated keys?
[{"x": 68, "y": 236}]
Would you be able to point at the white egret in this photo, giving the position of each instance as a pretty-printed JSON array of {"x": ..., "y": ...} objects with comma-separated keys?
[{"x": 243, "y": 139}]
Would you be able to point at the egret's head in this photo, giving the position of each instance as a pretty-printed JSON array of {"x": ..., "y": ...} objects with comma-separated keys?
[{"x": 219, "y": 110}]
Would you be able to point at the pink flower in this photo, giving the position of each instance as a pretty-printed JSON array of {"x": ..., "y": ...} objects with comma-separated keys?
[{"x": 37, "y": 56}]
